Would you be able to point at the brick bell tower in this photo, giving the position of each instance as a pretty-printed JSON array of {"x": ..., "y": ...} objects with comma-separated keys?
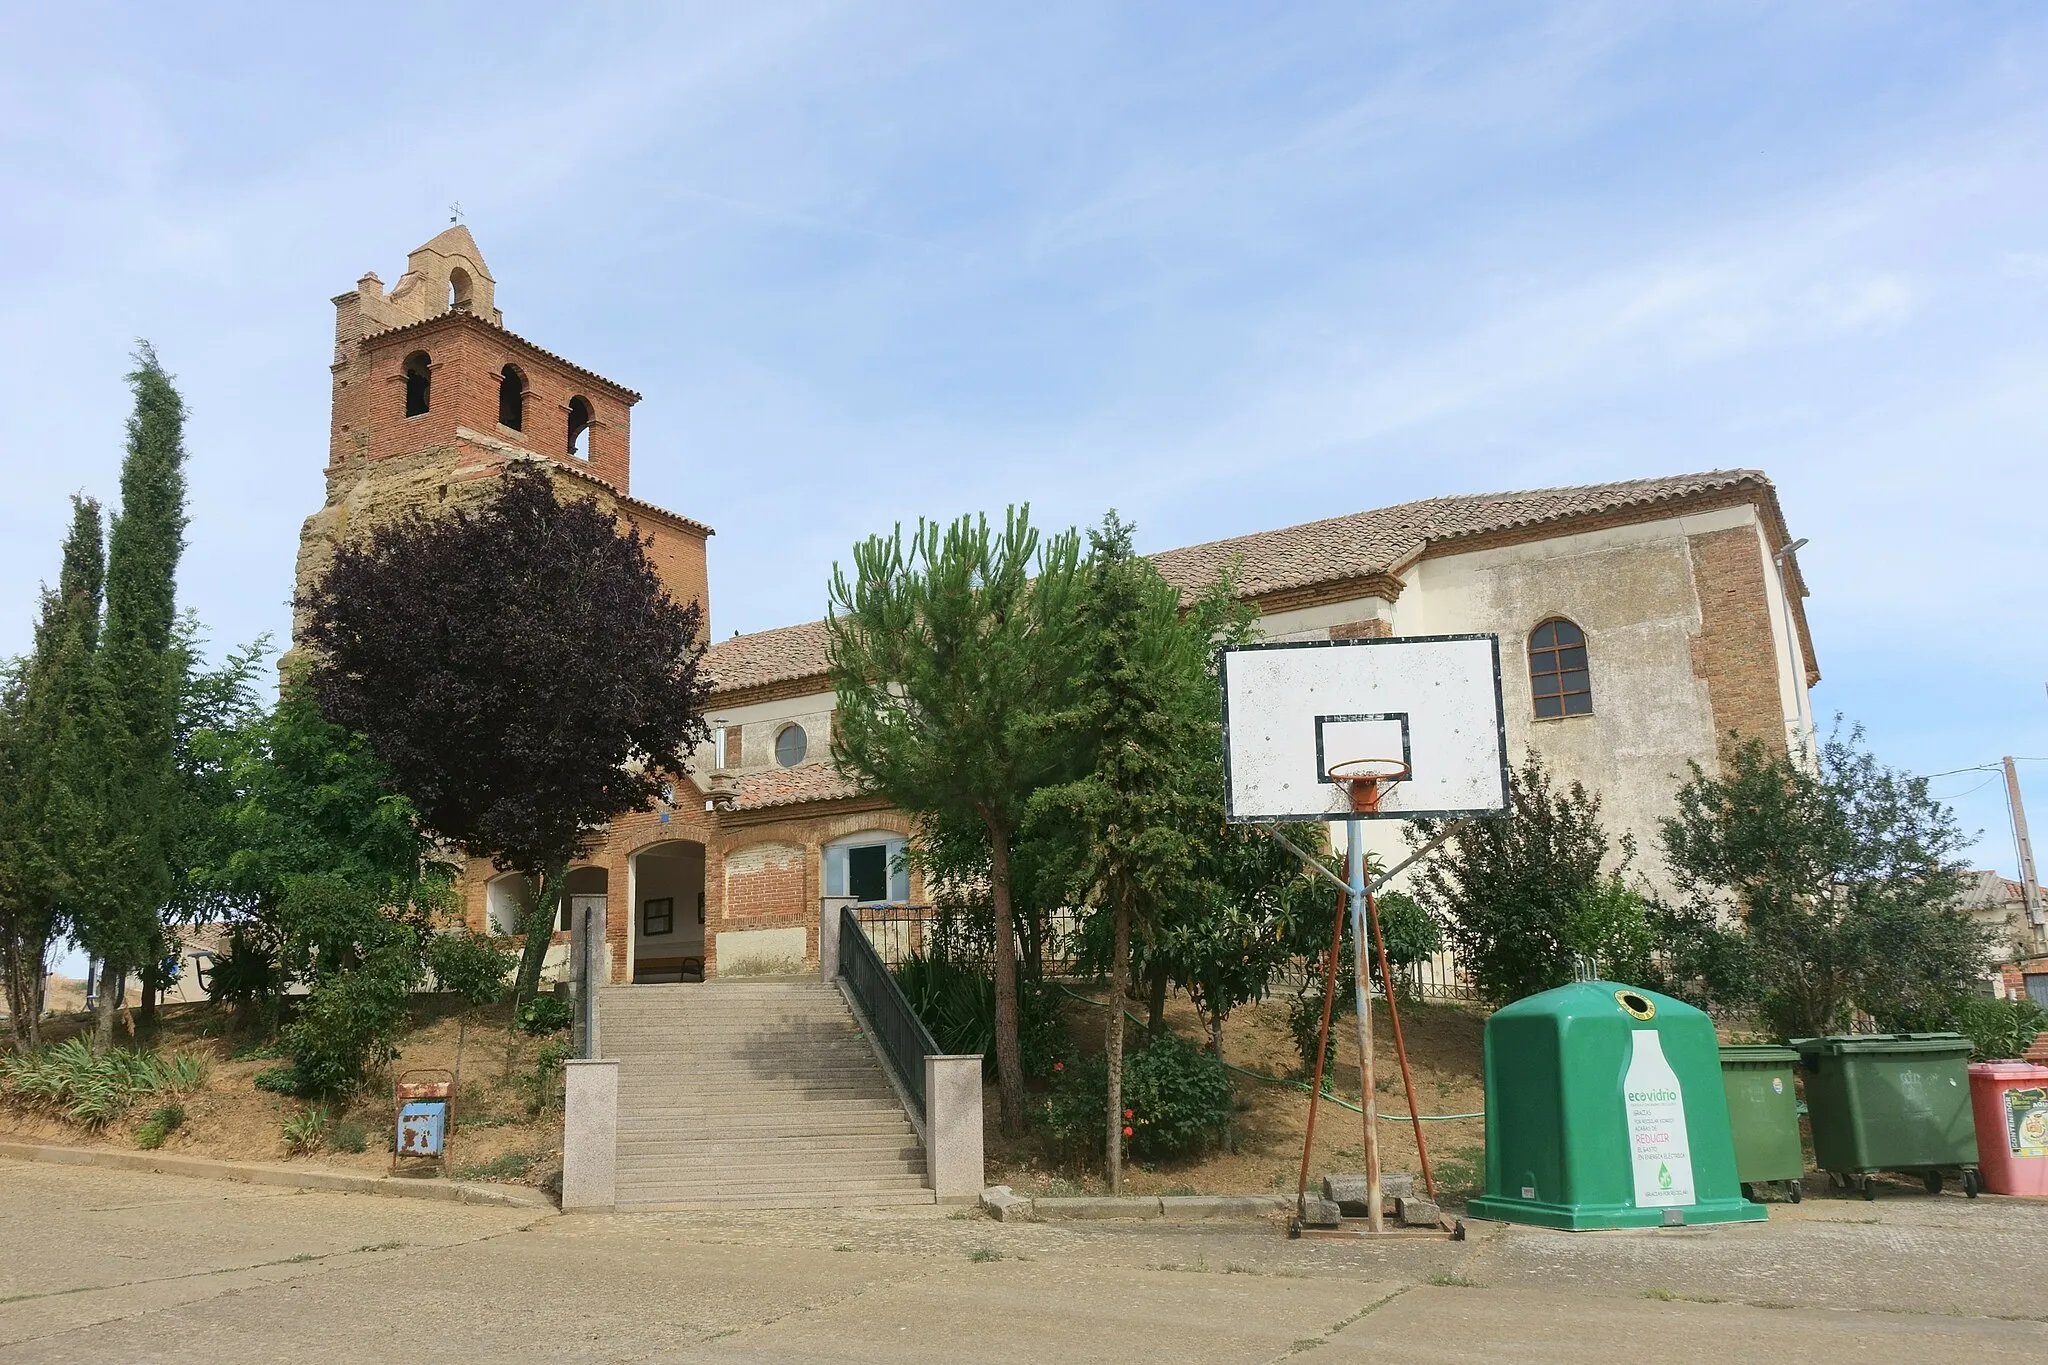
[{"x": 433, "y": 399}]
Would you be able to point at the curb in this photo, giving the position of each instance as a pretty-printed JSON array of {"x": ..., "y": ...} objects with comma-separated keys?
[
  {"x": 1008, "y": 1207},
  {"x": 258, "y": 1173}
]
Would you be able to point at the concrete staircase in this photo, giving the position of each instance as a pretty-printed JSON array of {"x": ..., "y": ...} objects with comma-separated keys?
[{"x": 753, "y": 1094}]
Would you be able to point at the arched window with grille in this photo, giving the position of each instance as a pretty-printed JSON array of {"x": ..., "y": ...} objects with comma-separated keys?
[{"x": 1558, "y": 677}]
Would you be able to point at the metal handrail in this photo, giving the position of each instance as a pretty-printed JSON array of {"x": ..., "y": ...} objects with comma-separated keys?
[{"x": 905, "y": 1041}]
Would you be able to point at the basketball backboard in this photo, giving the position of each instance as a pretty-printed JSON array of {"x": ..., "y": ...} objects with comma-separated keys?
[{"x": 1292, "y": 709}]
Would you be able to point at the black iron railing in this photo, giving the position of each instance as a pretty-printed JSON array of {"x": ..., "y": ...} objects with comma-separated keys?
[
  {"x": 905, "y": 1041},
  {"x": 899, "y": 930}
]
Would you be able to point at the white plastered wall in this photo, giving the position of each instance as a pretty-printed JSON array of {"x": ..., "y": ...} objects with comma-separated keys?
[{"x": 1631, "y": 589}]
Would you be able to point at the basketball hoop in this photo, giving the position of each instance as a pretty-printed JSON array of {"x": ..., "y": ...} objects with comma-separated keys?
[{"x": 1365, "y": 777}]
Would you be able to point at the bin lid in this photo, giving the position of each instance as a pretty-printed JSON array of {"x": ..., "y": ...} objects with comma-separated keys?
[
  {"x": 1837, "y": 1043},
  {"x": 2009, "y": 1071},
  {"x": 1757, "y": 1052}
]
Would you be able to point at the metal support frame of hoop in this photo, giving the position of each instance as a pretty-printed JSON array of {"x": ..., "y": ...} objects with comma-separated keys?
[{"x": 1364, "y": 779}]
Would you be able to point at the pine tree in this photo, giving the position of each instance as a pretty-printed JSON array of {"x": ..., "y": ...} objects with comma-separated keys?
[
  {"x": 134, "y": 791},
  {"x": 1144, "y": 712},
  {"x": 42, "y": 730}
]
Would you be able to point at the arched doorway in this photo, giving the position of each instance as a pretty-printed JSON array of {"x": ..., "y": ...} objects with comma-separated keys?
[{"x": 668, "y": 912}]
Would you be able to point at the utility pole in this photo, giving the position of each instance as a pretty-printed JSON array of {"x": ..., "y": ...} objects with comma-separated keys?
[{"x": 2030, "y": 890}]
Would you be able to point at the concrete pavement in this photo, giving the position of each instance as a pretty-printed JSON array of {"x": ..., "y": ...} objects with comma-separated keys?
[{"x": 105, "y": 1266}]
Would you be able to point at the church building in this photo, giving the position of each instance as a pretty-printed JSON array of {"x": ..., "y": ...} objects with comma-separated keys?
[{"x": 1643, "y": 624}]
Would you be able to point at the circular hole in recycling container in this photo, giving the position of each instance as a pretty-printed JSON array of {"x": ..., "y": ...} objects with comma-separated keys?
[{"x": 1638, "y": 1005}]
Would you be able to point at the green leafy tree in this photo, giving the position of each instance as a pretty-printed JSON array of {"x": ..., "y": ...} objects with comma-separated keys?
[
  {"x": 1143, "y": 711},
  {"x": 1840, "y": 882},
  {"x": 44, "y": 716},
  {"x": 943, "y": 651},
  {"x": 519, "y": 669},
  {"x": 132, "y": 787},
  {"x": 1513, "y": 888}
]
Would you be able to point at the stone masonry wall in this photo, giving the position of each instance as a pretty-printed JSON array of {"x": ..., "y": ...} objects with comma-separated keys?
[{"x": 1736, "y": 652}]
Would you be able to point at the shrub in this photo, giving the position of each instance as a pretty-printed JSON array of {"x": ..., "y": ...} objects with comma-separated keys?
[
  {"x": 305, "y": 1130},
  {"x": 546, "y": 1014},
  {"x": 957, "y": 1002},
  {"x": 349, "y": 1136},
  {"x": 1411, "y": 933},
  {"x": 542, "y": 1084},
  {"x": 1999, "y": 1029},
  {"x": 352, "y": 1020},
  {"x": 1305, "y": 1021},
  {"x": 278, "y": 1080},
  {"x": 471, "y": 965},
  {"x": 95, "y": 1088},
  {"x": 1176, "y": 1095},
  {"x": 159, "y": 1125}
]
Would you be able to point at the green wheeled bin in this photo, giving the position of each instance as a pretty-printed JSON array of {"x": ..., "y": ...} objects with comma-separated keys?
[
  {"x": 1763, "y": 1111},
  {"x": 1890, "y": 1102},
  {"x": 1604, "y": 1109}
]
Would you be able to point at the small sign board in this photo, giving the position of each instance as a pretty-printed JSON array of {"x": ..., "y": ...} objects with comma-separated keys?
[{"x": 425, "y": 1102}]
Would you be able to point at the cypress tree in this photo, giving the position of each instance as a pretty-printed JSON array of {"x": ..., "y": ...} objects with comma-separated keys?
[
  {"x": 135, "y": 790},
  {"x": 43, "y": 723}
]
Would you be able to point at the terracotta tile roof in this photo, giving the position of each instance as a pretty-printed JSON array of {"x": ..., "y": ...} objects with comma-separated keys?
[
  {"x": 1386, "y": 539},
  {"x": 767, "y": 656},
  {"x": 440, "y": 319},
  {"x": 791, "y": 786},
  {"x": 1383, "y": 540}
]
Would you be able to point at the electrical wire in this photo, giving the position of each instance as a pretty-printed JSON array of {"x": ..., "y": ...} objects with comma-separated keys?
[{"x": 1338, "y": 1100}]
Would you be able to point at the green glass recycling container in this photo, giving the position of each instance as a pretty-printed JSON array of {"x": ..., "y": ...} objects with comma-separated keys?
[
  {"x": 1605, "y": 1109},
  {"x": 1763, "y": 1113}
]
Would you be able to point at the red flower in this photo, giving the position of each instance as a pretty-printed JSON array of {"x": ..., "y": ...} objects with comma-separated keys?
[
  {"x": 1128, "y": 1114},
  {"x": 1059, "y": 1066},
  {"x": 1127, "y": 1130}
]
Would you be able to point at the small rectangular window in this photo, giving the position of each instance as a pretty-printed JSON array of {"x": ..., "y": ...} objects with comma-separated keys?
[{"x": 867, "y": 872}]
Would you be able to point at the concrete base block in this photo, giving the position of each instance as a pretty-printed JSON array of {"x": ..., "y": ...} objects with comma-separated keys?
[
  {"x": 1320, "y": 1213},
  {"x": 590, "y": 1135},
  {"x": 1007, "y": 1207},
  {"x": 1417, "y": 1213},
  {"x": 1349, "y": 1190}
]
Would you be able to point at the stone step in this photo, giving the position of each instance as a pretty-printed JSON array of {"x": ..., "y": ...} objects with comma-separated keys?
[
  {"x": 710, "y": 1203},
  {"x": 723, "y": 1172},
  {"x": 634, "y": 1187},
  {"x": 755, "y": 1083},
  {"x": 861, "y": 1146},
  {"x": 790, "y": 1120},
  {"x": 750, "y": 1127}
]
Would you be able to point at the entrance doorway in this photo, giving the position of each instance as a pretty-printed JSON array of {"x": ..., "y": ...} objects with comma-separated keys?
[{"x": 668, "y": 912}]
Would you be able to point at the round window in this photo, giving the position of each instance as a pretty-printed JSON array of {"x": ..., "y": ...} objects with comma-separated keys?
[{"x": 790, "y": 743}]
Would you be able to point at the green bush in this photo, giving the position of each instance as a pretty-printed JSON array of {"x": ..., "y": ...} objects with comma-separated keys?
[
  {"x": 471, "y": 965},
  {"x": 957, "y": 1002},
  {"x": 349, "y": 1136},
  {"x": 92, "y": 1088},
  {"x": 278, "y": 1080},
  {"x": 352, "y": 1020},
  {"x": 1176, "y": 1100},
  {"x": 542, "y": 1083},
  {"x": 546, "y": 1014},
  {"x": 1305, "y": 1022},
  {"x": 159, "y": 1125},
  {"x": 2000, "y": 1029}
]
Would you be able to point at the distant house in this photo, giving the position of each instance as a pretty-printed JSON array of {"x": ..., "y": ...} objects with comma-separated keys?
[{"x": 1643, "y": 624}]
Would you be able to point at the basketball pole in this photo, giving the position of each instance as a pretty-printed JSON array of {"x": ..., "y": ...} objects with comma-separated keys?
[{"x": 1354, "y": 860}]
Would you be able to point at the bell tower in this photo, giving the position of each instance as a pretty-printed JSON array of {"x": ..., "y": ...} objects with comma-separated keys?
[
  {"x": 432, "y": 397},
  {"x": 430, "y": 364}
]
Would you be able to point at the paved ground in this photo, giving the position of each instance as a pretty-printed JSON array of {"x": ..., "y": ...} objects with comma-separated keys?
[{"x": 106, "y": 1266}]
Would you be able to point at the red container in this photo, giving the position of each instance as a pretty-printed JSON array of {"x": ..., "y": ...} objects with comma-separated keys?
[{"x": 2010, "y": 1103}]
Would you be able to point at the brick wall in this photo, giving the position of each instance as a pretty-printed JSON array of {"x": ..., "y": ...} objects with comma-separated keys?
[
  {"x": 1736, "y": 652},
  {"x": 467, "y": 358}
]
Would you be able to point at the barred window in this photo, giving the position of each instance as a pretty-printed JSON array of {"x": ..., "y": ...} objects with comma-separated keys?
[{"x": 1557, "y": 670}]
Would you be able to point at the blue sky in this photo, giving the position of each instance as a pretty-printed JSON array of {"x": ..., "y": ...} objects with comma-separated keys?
[{"x": 1225, "y": 267}]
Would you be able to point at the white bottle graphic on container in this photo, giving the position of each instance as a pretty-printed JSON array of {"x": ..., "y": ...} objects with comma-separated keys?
[{"x": 1656, "y": 1125}]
